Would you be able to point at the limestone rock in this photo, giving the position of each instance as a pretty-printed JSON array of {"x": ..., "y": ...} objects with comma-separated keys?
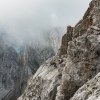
[
  {"x": 89, "y": 91},
  {"x": 79, "y": 61},
  {"x": 17, "y": 64},
  {"x": 43, "y": 85},
  {"x": 65, "y": 39}
]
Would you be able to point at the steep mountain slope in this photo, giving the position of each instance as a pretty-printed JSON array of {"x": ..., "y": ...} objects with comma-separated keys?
[
  {"x": 89, "y": 91},
  {"x": 13, "y": 75},
  {"x": 19, "y": 62},
  {"x": 17, "y": 65},
  {"x": 78, "y": 61},
  {"x": 35, "y": 56}
]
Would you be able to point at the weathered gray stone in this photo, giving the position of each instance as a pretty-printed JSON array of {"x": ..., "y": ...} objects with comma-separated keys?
[
  {"x": 89, "y": 91},
  {"x": 79, "y": 61}
]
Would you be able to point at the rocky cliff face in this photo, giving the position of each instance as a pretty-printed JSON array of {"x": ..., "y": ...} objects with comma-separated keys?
[
  {"x": 78, "y": 61},
  {"x": 17, "y": 64},
  {"x": 13, "y": 75},
  {"x": 89, "y": 91},
  {"x": 36, "y": 56}
]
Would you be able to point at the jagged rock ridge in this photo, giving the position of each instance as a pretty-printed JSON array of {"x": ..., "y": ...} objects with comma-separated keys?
[{"x": 78, "y": 61}]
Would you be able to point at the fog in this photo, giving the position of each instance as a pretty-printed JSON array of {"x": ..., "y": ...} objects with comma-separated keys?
[{"x": 26, "y": 20}]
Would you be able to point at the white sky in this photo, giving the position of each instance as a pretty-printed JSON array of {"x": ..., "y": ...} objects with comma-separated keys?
[{"x": 28, "y": 18}]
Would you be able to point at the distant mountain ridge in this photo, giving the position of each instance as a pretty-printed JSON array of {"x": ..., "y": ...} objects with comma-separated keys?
[{"x": 19, "y": 62}]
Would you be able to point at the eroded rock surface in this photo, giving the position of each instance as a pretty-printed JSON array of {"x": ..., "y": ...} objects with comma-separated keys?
[
  {"x": 65, "y": 39},
  {"x": 89, "y": 91},
  {"x": 43, "y": 85},
  {"x": 17, "y": 64},
  {"x": 79, "y": 61}
]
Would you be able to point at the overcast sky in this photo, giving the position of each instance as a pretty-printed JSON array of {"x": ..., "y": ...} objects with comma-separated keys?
[{"x": 28, "y": 18}]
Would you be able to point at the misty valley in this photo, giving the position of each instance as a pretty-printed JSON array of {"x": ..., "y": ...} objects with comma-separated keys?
[
  {"x": 49, "y": 50},
  {"x": 18, "y": 62}
]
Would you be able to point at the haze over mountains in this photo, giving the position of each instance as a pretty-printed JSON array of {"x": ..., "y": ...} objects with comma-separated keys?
[
  {"x": 31, "y": 32},
  {"x": 26, "y": 20},
  {"x": 74, "y": 73}
]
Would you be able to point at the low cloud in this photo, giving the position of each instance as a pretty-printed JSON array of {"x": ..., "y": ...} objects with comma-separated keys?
[{"x": 27, "y": 20}]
